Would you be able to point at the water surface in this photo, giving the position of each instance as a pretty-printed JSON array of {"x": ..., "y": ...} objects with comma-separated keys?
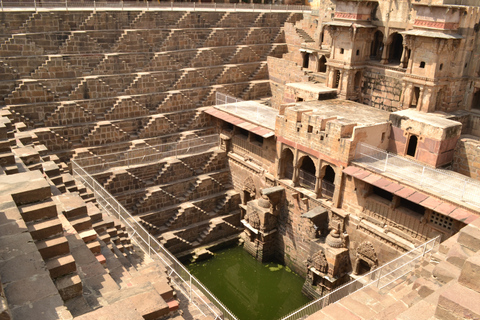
[{"x": 250, "y": 289}]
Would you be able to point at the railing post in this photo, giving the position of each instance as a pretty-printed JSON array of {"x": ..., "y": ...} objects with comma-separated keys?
[
  {"x": 149, "y": 246},
  {"x": 386, "y": 162},
  {"x": 171, "y": 5},
  {"x": 464, "y": 188},
  {"x": 94, "y": 6},
  {"x": 1, "y": 1},
  {"x": 190, "y": 287},
  {"x": 35, "y": 4},
  {"x": 235, "y": 7},
  {"x": 421, "y": 178},
  {"x": 379, "y": 276},
  {"x": 66, "y": 5},
  {"x": 122, "y": 5},
  {"x": 194, "y": 6}
]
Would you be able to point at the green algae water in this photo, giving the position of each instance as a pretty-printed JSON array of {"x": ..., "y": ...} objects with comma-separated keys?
[{"x": 250, "y": 289}]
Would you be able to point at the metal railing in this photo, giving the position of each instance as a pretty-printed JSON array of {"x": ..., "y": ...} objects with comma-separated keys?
[
  {"x": 328, "y": 189},
  {"x": 380, "y": 278},
  {"x": 42, "y": 5},
  {"x": 444, "y": 182},
  {"x": 243, "y": 146},
  {"x": 306, "y": 180},
  {"x": 197, "y": 294},
  {"x": 153, "y": 153}
]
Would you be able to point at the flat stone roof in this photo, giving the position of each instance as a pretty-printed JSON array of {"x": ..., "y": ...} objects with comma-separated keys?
[
  {"x": 431, "y": 34},
  {"x": 346, "y": 110},
  {"x": 251, "y": 111},
  {"x": 437, "y": 120},
  {"x": 311, "y": 87}
]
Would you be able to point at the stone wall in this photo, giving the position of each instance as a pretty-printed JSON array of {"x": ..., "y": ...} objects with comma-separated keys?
[
  {"x": 382, "y": 89},
  {"x": 466, "y": 158}
]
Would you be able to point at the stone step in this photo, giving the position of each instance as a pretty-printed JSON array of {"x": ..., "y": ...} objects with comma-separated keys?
[
  {"x": 7, "y": 158},
  {"x": 88, "y": 235},
  {"x": 164, "y": 289},
  {"x": 69, "y": 286},
  {"x": 112, "y": 232},
  {"x": 94, "y": 247},
  {"x": 38, "y": 211},
  {"x": 27, "y": 187},
  {"x": 53, "y": 247},
  {"x": 72, "y": 205},
  {"x": 10, "y": 169},
  {"x": 68, "y": 179},
  {"x": 94, "y": 213},
  {"x": 61, "y": 265},
  {"x": 45, "y": 229},
  {"x": 104, "y": 224},
  {"x": 458, "y": 302},
  {"x": 105, "y": 237},
  {"x": 51, "y": 169},
  {"x": 81, "y": 222}
]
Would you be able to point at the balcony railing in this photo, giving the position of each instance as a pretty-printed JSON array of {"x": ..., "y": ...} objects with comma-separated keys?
[
  {"x": 444, "y": 182},
  {"x": 306, "y": 180},
  {"x": 42, "y": 5},
  {"x": 327, "y": 189},
  {"x": 380, "y": 278}
]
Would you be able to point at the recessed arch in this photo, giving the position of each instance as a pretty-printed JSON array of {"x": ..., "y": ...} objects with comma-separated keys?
[
  {"x": 377, "y": 45},
  {"x": 395, "y": 48},
  {"x": 322, "y": 64},
  {"x": 306, "y": 173},
  {"x": 286, "y": 163}
]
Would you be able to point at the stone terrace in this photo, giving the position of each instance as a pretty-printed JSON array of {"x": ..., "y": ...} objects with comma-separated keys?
[
  {"x": 61, "y": 256},
  {"x": 89, "y": 78}
]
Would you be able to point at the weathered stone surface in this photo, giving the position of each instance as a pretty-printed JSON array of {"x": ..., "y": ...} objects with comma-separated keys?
[
  {"x": 26, "y": 187},
  {"x": 470, "y": 238},
  {"x": 457, "y": 303},
  {"x": 470, "y": 275}
]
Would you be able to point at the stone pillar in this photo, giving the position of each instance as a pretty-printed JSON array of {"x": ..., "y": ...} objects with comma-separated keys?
[
  {"x": 330, "y": 75},
  {"x": 338, "y": 184},
  {"x": 386, "y": 48},
  {"x": 420, "y": 99},
  {"x": 407, "y": 95}
]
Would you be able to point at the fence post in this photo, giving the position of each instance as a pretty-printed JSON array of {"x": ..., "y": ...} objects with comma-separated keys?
[
  {"x": 94, "y": 6},
  {"x": 122, "y": 5},
  {"x": 235, "y": 7},
  {"x": 386, "y": 162},
  {"x": 1, "y": 1},
  {"x": 194, "y": 6},
  {"x": 149, "y": 246},
  {"x": 35, "y": 4},
  {"x": 66, "y": 5},
  {"x": 464, "y": 188},
  {"x": 421, "y": 178}
]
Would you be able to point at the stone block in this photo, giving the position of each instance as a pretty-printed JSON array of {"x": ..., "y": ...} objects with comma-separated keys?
[
  {"x": 458, "y": 303},
  {"x": 53, "y": 247},
  {"x": 38, "y": 211},
  {"x": 149, "y": 304},
  {"x": 45, "y": 229},
  {"x": 25, "y": 187},
  {"x": 69, "y": 286},
  {"x": 457, "y": 255},
  {"x": 445, "y": 271},
  {"x": 469, "y": 237},
  {"x": 59, "y": 266},
  {"x": 470, "y": 274},
  {"x": 72, "y": 205}
]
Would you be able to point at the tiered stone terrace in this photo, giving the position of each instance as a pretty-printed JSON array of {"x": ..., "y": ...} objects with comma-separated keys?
[{"x": 93, "y": 83}]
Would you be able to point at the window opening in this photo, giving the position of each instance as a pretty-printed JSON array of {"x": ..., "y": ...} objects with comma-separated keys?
[
  {"x": 441, "y": 220},
  {"x": 321, "y": 64},
  {"x": 412, "y": 206},
  {"x": 412, "y": 145},
  {"x": 306, "y": 58},
  {"x": 416, "y": 96},
  {"x": 422, "y": 64},
  {"x": 310, "y": 129},
  {"x": 396, "y": 48},
  {"x": 382, "y": 193}
]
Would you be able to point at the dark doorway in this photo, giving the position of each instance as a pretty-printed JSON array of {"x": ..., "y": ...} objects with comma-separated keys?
[
  {"x": 358, "y": 78},
  {"x": 416, "y": 96},
  {"x": 476, "y": 100},
  {"x": 321, "y": 64},
  {"x": 306, "y": 58},
  {"x": 306, "y": 174},
  {"x": 396, "y": 48},
  {"x": 377, "y": 46},
  {"x": 336, "y": 79},
  {"x": 287, "y": 161},
  {"x": 412, "y": 145}
]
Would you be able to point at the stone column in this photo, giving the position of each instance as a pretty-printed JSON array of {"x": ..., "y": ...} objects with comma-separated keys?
[{"x": 338, "y": 184}]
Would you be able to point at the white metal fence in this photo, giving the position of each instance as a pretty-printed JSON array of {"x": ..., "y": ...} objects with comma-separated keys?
[
  {"x": 197, "y": 294},
  {"x": 153, "y": 153},
  {"x": 42, "y": 5},
  {"x": 444, "y": 182},
  {"x": 380, "y": 278}
]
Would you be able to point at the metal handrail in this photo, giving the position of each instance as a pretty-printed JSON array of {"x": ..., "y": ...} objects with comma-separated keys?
[
  {"x": 445, "y": 182},
  {"x": 390, "y": 272},
  {"x": 94, "y": 5},
  {"x": 178, "y": 273}
]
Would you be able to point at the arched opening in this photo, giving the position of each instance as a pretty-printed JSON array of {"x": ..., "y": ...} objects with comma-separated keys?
[
  {"x": 357, "y": 80},
  {"x": 476, "y": 99},
  {"x": 336, "y": 78},
  {"x": 396, "y": 48},
  {"x": 306, "y": 58},
  {"x": 377, "y": 46},
  {"x": 328, "y": 182},
  {"x": 321, "y": 64},
  {"x": 306, "y": 173},
  {"x": 287, "y": 163},
  {"x": 412, "y": 145},
  {"x": 362, "y": 267},
  {"x": 415, "y": 97}
]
